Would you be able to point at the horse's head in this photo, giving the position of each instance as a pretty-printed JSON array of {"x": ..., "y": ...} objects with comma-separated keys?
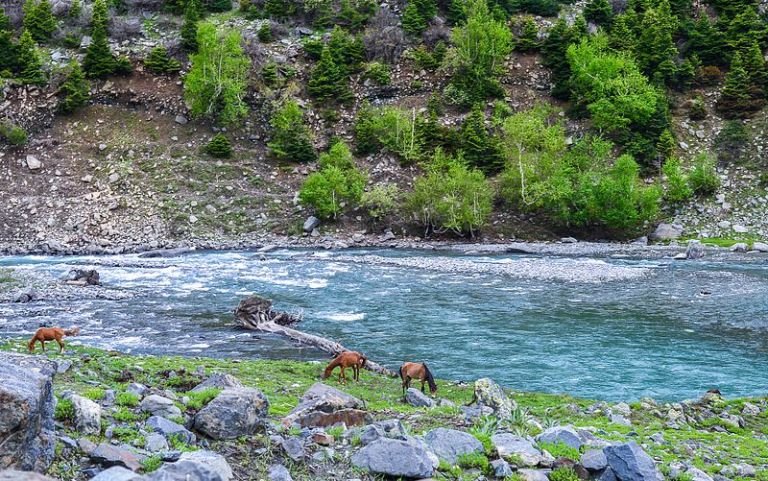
[{"x": 362, "y": 361}]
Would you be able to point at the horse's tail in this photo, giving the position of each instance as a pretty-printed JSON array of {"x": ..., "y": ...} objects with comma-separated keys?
[
  {"x": 400, "y": 373},
  {"x": 430, "y": 379}
]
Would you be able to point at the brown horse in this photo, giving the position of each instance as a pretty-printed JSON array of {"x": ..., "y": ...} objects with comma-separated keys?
[
  {"x": 346, "y": 359},
  {"x": 51, "y": 334},
  {"x": 417, "y": 370}
]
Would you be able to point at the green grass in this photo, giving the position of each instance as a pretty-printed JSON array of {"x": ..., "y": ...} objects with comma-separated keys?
[
  {"x": 561, "y": 450},
  {"x": 127, "y": 399},
  {"x": 198, "y": 399},
  {"x": 151, "y": 463},
  {"x": 65, "y": 410},
  {"x": 125, "y": 415},
  {"x": 94, "y": 394}
]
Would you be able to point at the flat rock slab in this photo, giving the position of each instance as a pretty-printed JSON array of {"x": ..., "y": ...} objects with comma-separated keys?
[
  {"x": 13, "y": 475},
  {"x": 562, "y": 434},
  {"x": 320, "y": 401},
  {"x": 26, "y": 412},
  {"x": 117, "y": 473},
  {"x": 510, "y": 446},
  {"x": 393, "y": 457},
  {"x": 630, "y": 463},
  {"x": 449, "y": 444},
  {"x": 108, "y": 455},
  {"x": 221, "y": 381},
  {"x": 233, "y": 413},
  {"x": 170, "y": 429},
  {"x": 159, "y": 406}
]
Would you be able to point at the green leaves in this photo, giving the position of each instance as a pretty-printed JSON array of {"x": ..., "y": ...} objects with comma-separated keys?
[
  {"x": 75, "y": 90},
  {"x": 291, "y": 138},
  {"x": 337, "y": 184}
]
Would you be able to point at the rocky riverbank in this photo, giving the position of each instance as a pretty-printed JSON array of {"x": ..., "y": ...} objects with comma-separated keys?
[{"x": 154, "y": 418}]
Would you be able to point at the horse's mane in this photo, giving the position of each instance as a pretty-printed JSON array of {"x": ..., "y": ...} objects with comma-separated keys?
[
  {"x": 430, "y": 379},
  {"x": 334, "y": 362}
]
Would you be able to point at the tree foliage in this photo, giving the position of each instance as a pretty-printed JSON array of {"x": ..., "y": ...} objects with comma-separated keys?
[
  {"x": 30, "y": 65},
  {"x": 39, "y": 20},
  {"x": 75, "y": 90},
  {"x": 338, "y": 184},
  {"x": 216, "y": 83},
  {"x": 291, "y": 138}
]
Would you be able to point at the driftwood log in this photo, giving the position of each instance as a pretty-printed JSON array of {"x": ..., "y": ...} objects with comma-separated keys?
[
  {"x": 81, "y": 277},
  {"x": 256, "y": 313}
]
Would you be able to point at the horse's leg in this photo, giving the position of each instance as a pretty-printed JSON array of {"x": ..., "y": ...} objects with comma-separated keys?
[
  {"x": 343, "y": 376},
  {"x": 422, "y": 386},
  {"x": 42, "y": 343},
  {"x": 61, "y": 345}
]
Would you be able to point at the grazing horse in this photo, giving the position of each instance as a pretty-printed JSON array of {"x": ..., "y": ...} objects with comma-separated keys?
[
  {"x": 51, "y": 334},
  {"x": 417, "y": 370},
  {"x": 346, "y": 359}
]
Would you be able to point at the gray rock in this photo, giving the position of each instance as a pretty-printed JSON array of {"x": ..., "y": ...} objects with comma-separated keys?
[
  {"x": 658, "y": 438},
  {"x": 594, "y": 460},
  {"x": 501, "y": 468},
  {"x": 619, "y": 419},
  {"x": 322, "y": 405},
  {"x": 169, "y": 428},
  {"x": 739, "y": 229},
  {"x": 740, "y": 470},
  {"x": 561, "y": 434},
  {"x": 311, "y": 223},
  {"x": 508, "y": 445},
  {"x": 394, "y": 457},
  {"x": 63, "y": 366},
  {"x": 739, "y": 247},
  {"x": 159, "y": 406},
  {"x": 607, "y": 475},
  {"x": 389, "y": 428},
  {"x": 533, "y": 474},
  {"x": 181, "y": 120},
  {"x": 698, "y": 475},
  {"x": 26, "y": 412},
  {"x": 13, "y": 475},
  {"x": 694, "y": 250},
  {"x": 108, "y": 455},
  {"x": 137, "y": 389},
  {"x": 667, "y": 232},
  {"x": 278, "y": 472},
  {"x": 294, "y": 448},
  {"x": 33, "y": 163},
  {"x": 569, "y": 240},
  {"x": 488, "y": 393},
  {"x": 414, "y": 397},
  {"x": 750, "y": 409},
  {"x": 210, "y": 459},
  {"x": 155, "y": 443},
  {"x": 233, "y": 413},
  {"x": 117, "y": 473},
  {"x": 630, "y": 463},
  {"x": 87, "y": 415},
  {"x": 449, "y": 444},
  {"x": 760, "y": 246},
  {"x": 221, "y": 381}
]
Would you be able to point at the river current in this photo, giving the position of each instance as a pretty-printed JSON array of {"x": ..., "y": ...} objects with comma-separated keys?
[{"x": 603, "y": 328}]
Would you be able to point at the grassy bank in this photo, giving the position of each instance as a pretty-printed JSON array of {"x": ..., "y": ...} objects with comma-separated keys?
[{"x": 711, "y": 438}]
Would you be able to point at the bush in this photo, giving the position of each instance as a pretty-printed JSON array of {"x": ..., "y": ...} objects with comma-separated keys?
[
  {"x": 392, "y": 128},
  {"x": 269, "y": 74},
  {"x": 291, "y": 138},
  {"x": 158, "y": 61},
  {"x": 381, "y": 201},
  {"x": 198, "y": 399},
  {"x": 474, "y": 461},
  {"x": 678, "y": 189},
  {"x": 13, "y": 134},
  {"x": 565, "y": 473},
  {"x": 561, "y": 450},
  {"x": 708, "y": 75},
  {"x": 39, "y": 20},
  {"x": 703, "y": 178},
  {"x": 65, "y": 410},
  {"x": 450, "y": 197},
  {"x": 328, "y": 80},
  {"x": 377, "y": 72},
  {"x": 127, "y": 399},
  {"x": 265, "y": 32},
  {"x": 338, "y": 183},
  {"x": 94, "y": 393},
  {"x": 697, "y": 109},
  {"x": 219, "y": 147}
]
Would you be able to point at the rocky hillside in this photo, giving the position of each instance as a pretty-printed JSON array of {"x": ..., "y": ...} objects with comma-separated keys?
[{"x": 126, "y": 417}]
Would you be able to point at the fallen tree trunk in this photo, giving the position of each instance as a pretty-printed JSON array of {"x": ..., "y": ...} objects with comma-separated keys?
[{"x": 259, "y": 321}]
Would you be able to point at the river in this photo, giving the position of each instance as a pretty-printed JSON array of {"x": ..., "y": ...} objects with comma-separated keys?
[{"x": 613, "y": 328}]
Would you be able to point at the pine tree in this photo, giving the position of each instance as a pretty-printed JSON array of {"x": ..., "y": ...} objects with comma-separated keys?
[
  {"x": 219, "y": 147},
  {"x": 599, "y": 12},
  {"x": 29, "y": 62},
  {"x": 735, "y": 97},
  {"x": 75, "y": 90},
  {"x": 348, "y": 52},
  {"x": 8, "y": 49},
  {"x": 529, "y": 39},
  {"x": 622, "y": 36},
  {"x": 754, "y": 64},
  {"x": 158, "y": 61},
  {"x": 39, "y": 20},
  {"x": 99, "y": 60},
  {"x": 745, "y": 28},
  {"x": 291, "y": 138},
  {"x": 707, "y": 41},
  {"x": 413, "y": 22},
  {"x": 75, "y": 10},
  {"x": 655, "y": 49},
  {"x": 456, "y": 14},
  {"x": 328, "y": 81},
  {"x": 192, "y": 14},
  {"x": 219, "y": 5},
  {"x": 665, "y": 146},
  {"x": 477, "y": 145},
  {"x": 554, "y": 51}
]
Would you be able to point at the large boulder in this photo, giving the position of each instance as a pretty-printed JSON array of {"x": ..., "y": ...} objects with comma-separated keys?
[
  {"x": 87, "y": 415},
  {"x": 666, "y": 232},
  {"x": 449, "y": 444},
  {"x": 107, "y": 455},
  {"x": 117, "y": 473},
  {"x": 562, "y": 434},
  {"x": 26, "y": 412},
  {"x": 594, "y": 460},
  {"x": 13, "y": 475},
  {"x": 518, "y": 448},
  {"x": 233, "y": 413},
  {"x": 490, "y": 394},
  {"x": 394, "y": 457},
  {"x": 159, "y": 406},
  {"x": 414, "y": 397},
  {"x": 630, "y": 463},
  {"x": 222, "y": 381},
  {"x": 322, "y": 406},
  {"x": 170, "y": 429},
  {"x": 388, "y": 428}
]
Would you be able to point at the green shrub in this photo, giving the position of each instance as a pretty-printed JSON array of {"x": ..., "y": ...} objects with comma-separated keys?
[
  {"x": 377, "y": 72},
  {"x": 30, "y": 65},
  {"x": 127, "y": 399},
  {"x": 697, "y": 110},
  {"x": 13, "y": 134},
  {"x": 75, "y": 90},
  {"x": 313, "y": 48},
  {"x": 485, "y": 427},
  {"x": 338, "y": 183},
  {"x": 703, "y": 178},
  {"x": 381, "y": 201},
  {"x": 392, "y": 128},
  {"x": 198, "y": 399},
  {"x": 94, "y": 393},
  {"x": 291, "y": 137},
  {"x": 269, "y": 74},
  {"x": 265, "y": 32},
  {"x": 474, "y": 460},
  {"x": 561, "y": 450},
  {"x": 219, "y": 147},
  {"x": 678, "y": 189},
  {"x": 151, "y": 463},
  {"x": 124, "y": 415},
  {"x": 564, "y": 473},
  {"x": 328, "y": 80},
  {"x": 450, "y": 197},
  {"x": 192, "y": 14},
  {"x": 39, "y": 20},
  {"x": 158, "y": 61},
  {"x": 65, "y": 410},
  {"x": 128, "y": 435}
]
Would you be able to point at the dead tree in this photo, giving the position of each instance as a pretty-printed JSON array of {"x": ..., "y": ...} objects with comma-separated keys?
[{"x": 256, "y": 313}]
